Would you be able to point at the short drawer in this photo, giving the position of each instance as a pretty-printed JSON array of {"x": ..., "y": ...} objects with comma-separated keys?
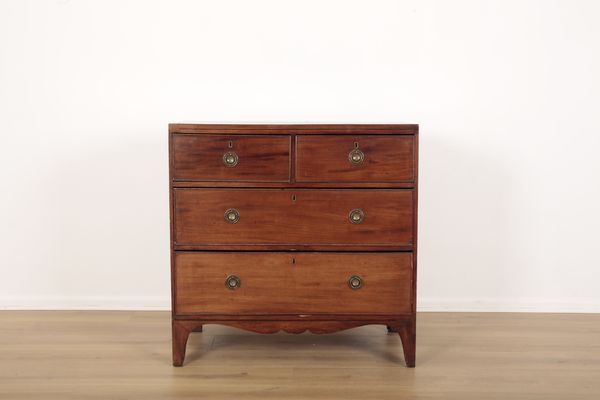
[
  {"x": 230, "y": 158},
  {"x": 295, "y": 218},
  {"x": 292, "y": 283},
  {"x": 348, "y": 158}
]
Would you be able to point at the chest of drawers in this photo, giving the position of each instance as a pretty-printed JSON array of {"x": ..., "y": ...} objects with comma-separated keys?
[{"x": 293, "y": 228}]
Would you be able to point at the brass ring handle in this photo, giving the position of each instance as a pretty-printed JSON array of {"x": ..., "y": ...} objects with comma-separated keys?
[
  {"x": 355, "y": 282},
  {"x": 356, "y": 216},
  {"x": 230, "y": 159},
  {"x": 232, "y": 282},
  {"x": 232, "y": 215},
  {"x": 356, "y": 156}
]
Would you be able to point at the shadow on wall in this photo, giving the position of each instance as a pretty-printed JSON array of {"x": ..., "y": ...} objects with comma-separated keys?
[
  {"x": 464, "y": 226},
  {"x": 107, "y": 223}
]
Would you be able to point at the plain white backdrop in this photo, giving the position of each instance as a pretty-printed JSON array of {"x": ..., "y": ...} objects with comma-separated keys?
[{"x": 507, "y": 95}]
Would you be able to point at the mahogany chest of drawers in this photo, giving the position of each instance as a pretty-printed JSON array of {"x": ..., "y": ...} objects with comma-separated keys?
[{"x": 293, "y": 228}]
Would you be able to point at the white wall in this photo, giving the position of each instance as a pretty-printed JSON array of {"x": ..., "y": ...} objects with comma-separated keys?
[{"x": 506, "y": 92}]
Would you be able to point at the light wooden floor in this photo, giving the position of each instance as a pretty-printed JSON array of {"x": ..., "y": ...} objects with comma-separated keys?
[{"x": 127, "y": 355}]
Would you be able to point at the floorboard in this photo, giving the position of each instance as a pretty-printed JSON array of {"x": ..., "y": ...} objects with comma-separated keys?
[{"x": 127, "y": 355}]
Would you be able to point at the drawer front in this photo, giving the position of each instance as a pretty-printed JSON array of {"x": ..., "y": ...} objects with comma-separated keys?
[
  {"x": 349, "y": 158},
  {"x": 292, "y": 283},
  {"x": 381, "y": 217},
  {"x": 231, "y": 158}
]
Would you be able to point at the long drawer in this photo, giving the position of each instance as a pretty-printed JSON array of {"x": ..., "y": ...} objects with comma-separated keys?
[
  {"x": 293, "y": 217},
  {"x": 292, "y": 283}
]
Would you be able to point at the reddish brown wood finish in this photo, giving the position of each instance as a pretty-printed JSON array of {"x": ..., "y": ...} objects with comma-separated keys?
[
  {"x": 298, "y": 185},
  {"x": 195, "y": 153},
  {"x": 322, "y": 158},
  {"x": 293, "y": 217},
  {"x": 182, "y": 328},
  {"x": 295, "y": 129},
  {"x": 260, "y": 158},
  {"x": 293, "y": 283},
  {"x": 408, "y": 335}
]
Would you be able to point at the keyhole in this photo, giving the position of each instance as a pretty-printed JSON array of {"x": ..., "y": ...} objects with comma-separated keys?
[
  {"x": 356, "y": 145},
  {"x": 230, "y": 144},
  {"x": 294, "y": 198},
  {"x": 293, "y": 260}
]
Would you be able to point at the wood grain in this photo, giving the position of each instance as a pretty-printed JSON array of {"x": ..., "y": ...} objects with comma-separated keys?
[
  {"x": 304, "y": 129},
  {"x": 305, "y": 210},
  {"x": 74, "y": 355},
  {"x": 321, "y": 158},
  {"x": 299, "y": 185},
  {"x": 315, "y": 217},
  {"x": 260, "y": 158},
  {"x": 287, "y": 283}
]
